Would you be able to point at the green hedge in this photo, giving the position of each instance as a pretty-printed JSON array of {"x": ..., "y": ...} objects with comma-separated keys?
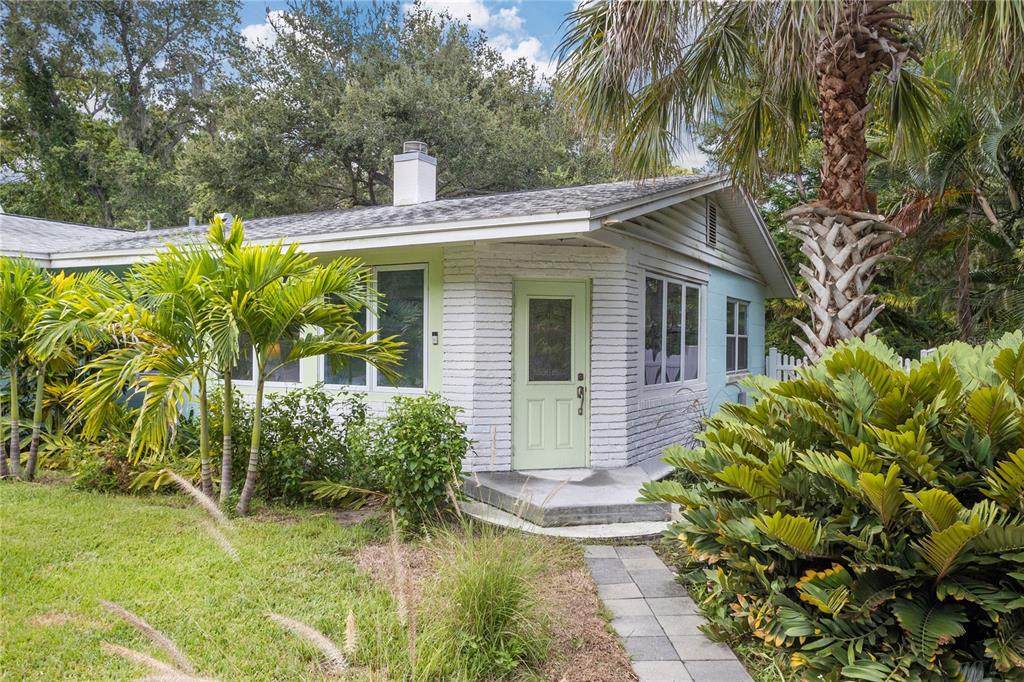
[{"x": 869, "y": 519}]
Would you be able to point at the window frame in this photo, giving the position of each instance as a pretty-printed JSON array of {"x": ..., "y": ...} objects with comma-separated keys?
[
  {"x": 373, "y": 385},
  {"x": 686, "y": 284},
  {"x": 736, "y": 336},
  {"x": 273, "y": 384}
]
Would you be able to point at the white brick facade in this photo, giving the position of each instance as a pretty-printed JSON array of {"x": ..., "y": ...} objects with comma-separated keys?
[{"x": 628, "y": 423}]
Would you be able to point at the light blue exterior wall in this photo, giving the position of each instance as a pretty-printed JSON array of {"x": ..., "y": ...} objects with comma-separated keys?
[{"x": 723, "y": 285}]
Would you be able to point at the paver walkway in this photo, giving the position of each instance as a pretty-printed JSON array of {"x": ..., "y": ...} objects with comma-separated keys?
[{"x": 656, "y": 620}]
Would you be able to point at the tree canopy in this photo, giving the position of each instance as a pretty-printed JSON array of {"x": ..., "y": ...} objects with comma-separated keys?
[{"x": 124, "y": 113}]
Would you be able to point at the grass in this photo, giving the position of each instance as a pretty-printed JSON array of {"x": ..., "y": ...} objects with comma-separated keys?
[
  {"x": 64, "y": 551},
  {"x": 482, "y": 616}
]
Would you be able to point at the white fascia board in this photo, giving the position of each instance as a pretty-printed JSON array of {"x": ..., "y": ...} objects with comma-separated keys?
[
  {"x": 766, "y": 236},
  {"x": 551, "y": 225}
]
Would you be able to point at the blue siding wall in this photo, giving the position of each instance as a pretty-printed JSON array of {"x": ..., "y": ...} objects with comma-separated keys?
[{"x": 723, "y": 285}]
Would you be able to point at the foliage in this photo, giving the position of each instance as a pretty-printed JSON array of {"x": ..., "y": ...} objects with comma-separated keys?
[
  {"x": 866, "y": 518},
  {"x": 97, "y": 99},
  {"x": 102, "y": 465},
  {"x": 482, "y": 615},
  {"x": 413, "y": 454},
  {"x": 303, "y": 440},
  {"x": 127, "y": 113}
]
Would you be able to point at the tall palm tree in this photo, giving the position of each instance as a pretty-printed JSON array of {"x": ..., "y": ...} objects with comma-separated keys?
[
  {"x": 766, "y": 73},
  {"x": 312, "y": 310},
  {"x": 23, "y": 289}
]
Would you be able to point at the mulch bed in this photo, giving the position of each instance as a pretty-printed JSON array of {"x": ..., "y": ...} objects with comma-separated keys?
[{"x": 583, "y": 648}]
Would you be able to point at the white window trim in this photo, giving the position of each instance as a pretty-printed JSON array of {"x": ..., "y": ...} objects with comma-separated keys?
[
  {"x": 686, "y": 283},
  {"x": 729, "y": 302},
  {"x": 372, "y": 385},
  {"x": 272, "y": 384}
]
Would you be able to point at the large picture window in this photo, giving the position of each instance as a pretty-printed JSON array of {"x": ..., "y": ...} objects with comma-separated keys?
[
  {"x": 671, "y": 331},
  {"x": 737, "y": 343},
  {"x": 402, "y": 313}
]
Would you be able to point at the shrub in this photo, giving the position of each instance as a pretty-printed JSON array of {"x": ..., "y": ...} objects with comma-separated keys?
[
  {"x": 413, "y": 454},
  {"x": 304, "y": 440},
  {"x": 304, "y": 437},
  {"x": 481, "y": 613},
  {"x": 102, "y": 465},
  {"x": 869, "y": 519}
]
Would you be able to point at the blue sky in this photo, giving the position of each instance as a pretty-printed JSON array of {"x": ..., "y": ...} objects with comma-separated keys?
[{"x": 530, "y": 29}]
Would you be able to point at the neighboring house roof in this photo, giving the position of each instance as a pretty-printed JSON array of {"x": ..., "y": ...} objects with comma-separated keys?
[{"x": 563, "y": 211}]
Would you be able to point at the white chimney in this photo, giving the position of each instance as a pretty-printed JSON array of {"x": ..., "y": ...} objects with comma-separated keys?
[{"x": 415, "y": 175}]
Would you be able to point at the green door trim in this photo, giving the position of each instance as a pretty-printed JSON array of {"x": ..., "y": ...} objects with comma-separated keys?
[{"x": 548, "y": 431}]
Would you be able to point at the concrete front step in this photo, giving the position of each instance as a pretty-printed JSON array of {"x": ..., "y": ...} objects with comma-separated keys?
[{"x": 571, "y": 497}]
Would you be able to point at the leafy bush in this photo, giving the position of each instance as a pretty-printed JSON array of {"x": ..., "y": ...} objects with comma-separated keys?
[
  {"x": 413, "y": 454},
  {"x": 304, "y": 437},
  {"x": 482, "y": 616},
  {"x": 868, "y": 519},
  {"x": 102, "y": 465},
  {"x": 303, "y": 440}
]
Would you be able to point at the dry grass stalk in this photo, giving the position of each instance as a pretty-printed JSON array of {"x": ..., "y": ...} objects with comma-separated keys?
[
  {"x": 314, "y": 637},
  {"x": 199, "y": 496},
  {"x": 403, "y": 594},
  {"x": 221, "y": 539},
  {"x": 455, "y": 500},
  {"x": 158, "y": 638},
  {"x": 554, "y": 491},
  {"x": 140, "y": 658},
  {"x": 175, "y": 677},
  {"x": 351, "y": 636}
]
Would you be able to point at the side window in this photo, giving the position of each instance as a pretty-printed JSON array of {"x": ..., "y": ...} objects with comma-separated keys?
[
  {"x": 737, "y": 342},
  {"x": 671, "y": 331}
]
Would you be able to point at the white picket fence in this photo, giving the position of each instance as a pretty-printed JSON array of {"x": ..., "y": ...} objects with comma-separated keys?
[{"x": 783, "y": 367}]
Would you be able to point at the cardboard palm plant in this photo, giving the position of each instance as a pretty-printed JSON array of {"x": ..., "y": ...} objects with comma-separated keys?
[{"x": 766, "y": 74}]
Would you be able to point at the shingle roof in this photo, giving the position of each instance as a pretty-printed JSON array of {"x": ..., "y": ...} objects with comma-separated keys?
[
  {"x": 493, "y": 206},
  {"x": 34, "y": 236}
]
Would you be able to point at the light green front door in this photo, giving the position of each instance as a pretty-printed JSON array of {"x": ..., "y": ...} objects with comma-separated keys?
[{"x": 550, "y": 374}]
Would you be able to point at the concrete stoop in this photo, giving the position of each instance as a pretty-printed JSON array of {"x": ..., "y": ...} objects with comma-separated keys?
[{"x": 572, "y": 497}]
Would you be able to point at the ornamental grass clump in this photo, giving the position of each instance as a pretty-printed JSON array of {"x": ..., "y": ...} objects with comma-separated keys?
[
  {"x": 867, "y": 519},
  {"x": 482, "y": 617}
]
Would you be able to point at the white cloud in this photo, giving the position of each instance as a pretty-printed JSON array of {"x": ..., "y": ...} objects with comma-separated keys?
[
  {"x": 256, "y": 35},
  {"x": 530, "y": 49},
  {"x": 473, "y": 12}
]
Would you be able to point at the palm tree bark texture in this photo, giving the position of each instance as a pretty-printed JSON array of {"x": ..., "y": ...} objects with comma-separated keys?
[{"x": 841, "y": 236}]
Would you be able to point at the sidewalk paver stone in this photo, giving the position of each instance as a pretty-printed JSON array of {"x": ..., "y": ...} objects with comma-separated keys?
[{"x": 657, "y": 622}]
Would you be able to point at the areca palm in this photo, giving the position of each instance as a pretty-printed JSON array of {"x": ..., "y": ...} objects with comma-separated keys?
[
  {"x": 56, "y": 332},
  {"x": 312, "y": 309},
  {"x": 23, "y": 289},
  {"x": 766, "y": 73}
]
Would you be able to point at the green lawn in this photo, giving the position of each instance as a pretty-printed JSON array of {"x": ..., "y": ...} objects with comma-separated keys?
[{"x": 63, "y": 551}]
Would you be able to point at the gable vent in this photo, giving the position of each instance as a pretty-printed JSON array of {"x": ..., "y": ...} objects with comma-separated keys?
[{"x": 712, "y": 222}]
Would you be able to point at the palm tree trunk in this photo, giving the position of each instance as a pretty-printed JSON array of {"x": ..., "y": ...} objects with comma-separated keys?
[
  {"x": 254, "y": 450},
  {"x": 228, "y": 447},
  {"x": 15, "y": 424},
  {"x": 963, "y": 291},
  {"x": 37, "y": 422},
  {"x": 206, "y": 475},
  {"x": 838, "y": 236},
  {"x": 3, "y": 444}
]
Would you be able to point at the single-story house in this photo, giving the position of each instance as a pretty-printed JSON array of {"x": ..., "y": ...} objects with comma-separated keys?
[{"x": 581, "y": 327}]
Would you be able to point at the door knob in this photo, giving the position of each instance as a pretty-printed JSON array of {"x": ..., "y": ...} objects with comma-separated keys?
[{"x": 580, "y": 392}]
